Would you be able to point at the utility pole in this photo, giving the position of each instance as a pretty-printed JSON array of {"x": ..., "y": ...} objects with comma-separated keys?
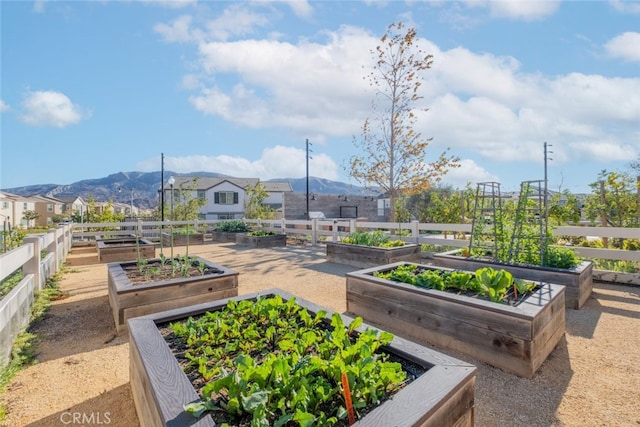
[
  {"x": 546, "y": 203},
  {"x": 162, "y": 187},
  {"x": 307, "y": 211}
]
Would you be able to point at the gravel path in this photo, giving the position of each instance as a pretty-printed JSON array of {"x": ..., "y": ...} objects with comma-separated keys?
[{"x": 592, "y": 378}]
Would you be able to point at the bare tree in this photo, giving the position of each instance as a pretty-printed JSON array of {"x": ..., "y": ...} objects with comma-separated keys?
[{"x": 391, "y": 152}]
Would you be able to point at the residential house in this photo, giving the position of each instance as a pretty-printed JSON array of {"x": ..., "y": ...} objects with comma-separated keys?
[
  {"x": 73, "y": 205},
  {"x": 47, "y": 209},
  {"x": 13, "y": 208},
  {"x": 225, "y": 197}
]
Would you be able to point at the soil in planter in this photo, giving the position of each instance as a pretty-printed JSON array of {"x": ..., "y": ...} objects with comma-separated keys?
[
  {"x": 155, "y": 271},
  {"x": 179, "y": 347}
]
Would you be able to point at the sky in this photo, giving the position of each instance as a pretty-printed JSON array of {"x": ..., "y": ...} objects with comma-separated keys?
[{"x": 91, "y": 88}]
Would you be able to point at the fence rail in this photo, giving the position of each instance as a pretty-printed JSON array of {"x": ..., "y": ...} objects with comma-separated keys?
[
  {"x": 316, "y": 231},
  {"x": 39, "y": 258}
]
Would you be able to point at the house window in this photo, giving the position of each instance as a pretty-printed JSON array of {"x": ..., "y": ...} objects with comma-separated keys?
[
  {"x": 5, "y": 205},
  {"x": 225, "y": 198},
  {"x": 226, "y": 216},
  {"x": 49, "y": 207},
  {"x": 202, "y": 194},
  {"x": 24, "y": 207}
]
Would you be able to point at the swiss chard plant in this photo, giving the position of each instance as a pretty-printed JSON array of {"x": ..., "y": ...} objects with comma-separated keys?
[
  {"x": 488, "y": 282},
  {"x": 271, "y": 362}
]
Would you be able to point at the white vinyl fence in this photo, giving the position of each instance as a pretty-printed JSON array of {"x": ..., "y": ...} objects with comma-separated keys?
[{"x": 39, "y": 258}]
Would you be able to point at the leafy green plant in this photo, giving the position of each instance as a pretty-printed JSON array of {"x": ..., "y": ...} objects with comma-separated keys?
[
  {"x": 561, "y": 257},
  {"x": 375, "y": 238},
  {"x": 493, "y": 283},
  {"x": 271, "y": 362},
  {"x": 232, "y": 226},
  {"x": 261, "y": 233},
  {"x": 486, "y": 282}
]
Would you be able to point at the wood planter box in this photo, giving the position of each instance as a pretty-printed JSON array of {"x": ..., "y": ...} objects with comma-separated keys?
[
  {"x": 124, "y": 249},
  {"x": 261, "y": 241},
  {"x": 131, "y": 300},
  {"x": 608, "y": 276},
  {"x": 181, "y": 239},
  {"x": 225, "y": 236},
  {"x": 369, "y": 256},
  {"x": 516, "y": 339},
  {"x": 579, "y": 280},
  {"x": 442, "y": 396}
]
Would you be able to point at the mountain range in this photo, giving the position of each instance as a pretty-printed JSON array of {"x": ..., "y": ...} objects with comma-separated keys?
[{"x": 143, "y": 187}]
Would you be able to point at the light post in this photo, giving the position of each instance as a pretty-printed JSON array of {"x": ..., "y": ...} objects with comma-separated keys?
[
  {"x": 171, "y": 181},
  {"x": 131, "y": 203}
]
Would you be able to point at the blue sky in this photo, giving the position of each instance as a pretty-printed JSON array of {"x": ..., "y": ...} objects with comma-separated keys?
[{"x": 93, "y": 88}]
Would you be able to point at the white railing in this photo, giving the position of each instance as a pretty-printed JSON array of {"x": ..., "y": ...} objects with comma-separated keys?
[
  {"x": 39, "y": 257},
  {"x": 316, "y": 231}
]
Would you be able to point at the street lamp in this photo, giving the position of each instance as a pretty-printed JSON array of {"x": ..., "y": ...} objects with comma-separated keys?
[{"x": 171, "y": 181}]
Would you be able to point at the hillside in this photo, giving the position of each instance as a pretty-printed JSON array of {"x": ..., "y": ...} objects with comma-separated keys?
[{"x": 143, "y": 187}]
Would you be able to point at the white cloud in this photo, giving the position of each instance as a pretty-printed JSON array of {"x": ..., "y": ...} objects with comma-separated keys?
[
  {"x": 38, "y": 6},
  {"x": 306, "y": 86},
  {"x": 50, "y": 108},
  {"x": 301, "y": 8},
  {"x": 178, "y": 31},
  {"x": 526, "y": 10},
  {"x": 626, "y": 46},
  {"x": 477, "y": 102},
  {"x": 172, "y": 4},
  {"x": 468, "y": 172},
  {"x": 4, "y": 106},
  {"x": 275, "y": 162},
  {"x": 625, "y": 6}
]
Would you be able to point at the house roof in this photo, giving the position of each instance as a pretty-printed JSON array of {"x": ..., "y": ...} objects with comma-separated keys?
[{"x": 206, "y": 183}]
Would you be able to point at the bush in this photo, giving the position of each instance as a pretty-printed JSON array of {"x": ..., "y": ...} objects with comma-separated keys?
[
  {"x": 261, "y": 233},
  {"x": 373, "y": 238},
  {"x": 561, "y": 258},
  {"x": 233, "y": 226}
]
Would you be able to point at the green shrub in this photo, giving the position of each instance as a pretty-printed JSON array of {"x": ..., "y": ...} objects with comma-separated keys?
[
  {"x": 261, "y": 233},
  {"x": 232, "y": 226},
  {"x": 561, "y": 258},
  {"x": 372, "y": 238}
]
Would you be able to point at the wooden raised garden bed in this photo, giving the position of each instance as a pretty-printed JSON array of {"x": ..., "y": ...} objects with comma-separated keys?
[
  {"x": 578, "y": 280},
  {"x": 261, "y": 241},
  {"x": 130, "y": 300},
  {"x": 181, "y": 239},
  {"x": 369, "y": 256},
  {"x": 124, "y": 249},
  {"x": 516, "y": 339},
  {"x": 441, "y": 396},
  {"x": 225, "y": 236}
]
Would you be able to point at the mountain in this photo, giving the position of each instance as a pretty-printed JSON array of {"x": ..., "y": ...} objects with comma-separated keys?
[{"x": 143, "y": 187}]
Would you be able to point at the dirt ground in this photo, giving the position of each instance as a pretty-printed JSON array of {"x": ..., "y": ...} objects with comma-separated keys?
[{"x": 592, "y": 378}]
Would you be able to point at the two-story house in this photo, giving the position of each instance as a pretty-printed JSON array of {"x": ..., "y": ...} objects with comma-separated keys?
[
  {"x": 13, "y": 209},
  {"x": 224, "y": 197},
  {"x": 47, "y": 208}
]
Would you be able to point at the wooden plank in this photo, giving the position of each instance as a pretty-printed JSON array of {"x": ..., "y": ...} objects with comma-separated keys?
[
  {"x": 14, "y": 259},
  {"x": 423, "y": 304},
  {"x": 445, "y": 332},
  {"x": 169, "y": 304},
  {"x": 166, "y": 381},
  {"x": 616, "y": 254},
  {"x": 451, "y": 400},
  {"x": 503, "y": 336},
  {"x": 444, "y": 392}
]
